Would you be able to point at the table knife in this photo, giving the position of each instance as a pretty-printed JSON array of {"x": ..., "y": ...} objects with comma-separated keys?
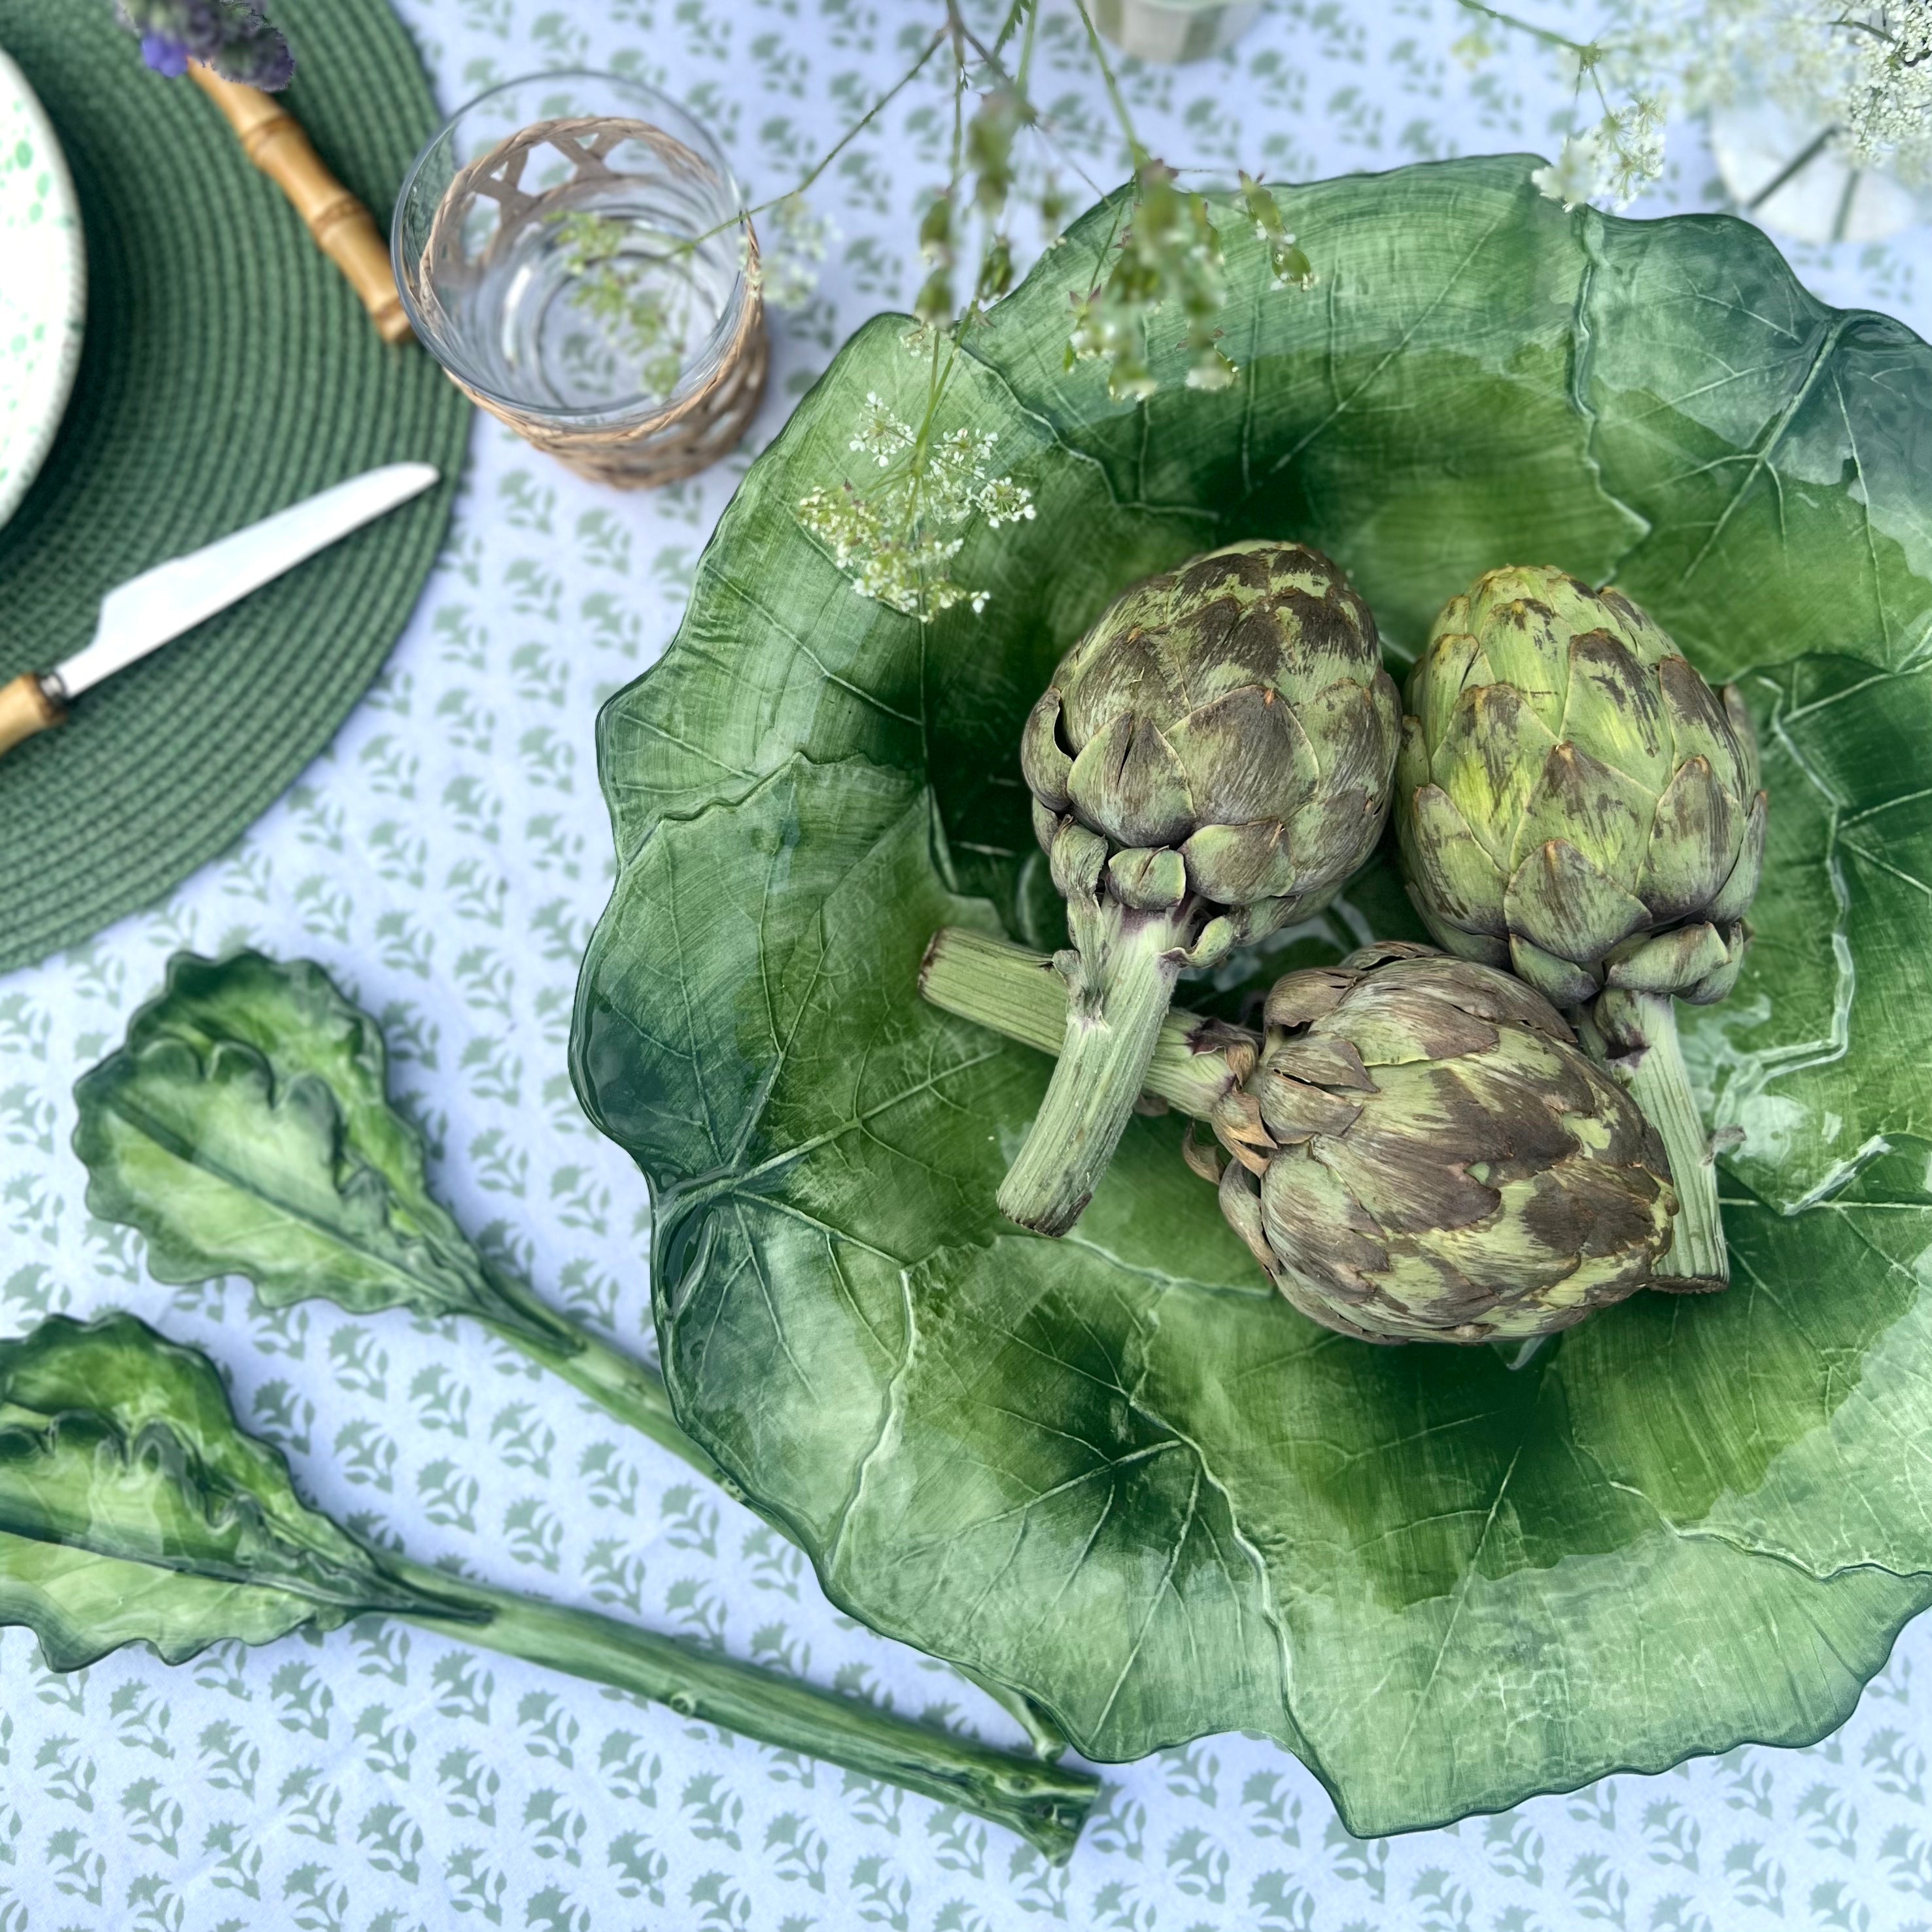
[{"x": 148, "y": 610}]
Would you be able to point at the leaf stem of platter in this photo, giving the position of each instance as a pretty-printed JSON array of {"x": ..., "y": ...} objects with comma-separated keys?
[
  {"x": 635, "y": 1393},
  {"x": 1651, "y": 1066},
  {"x": 1121, "y": 979},
  {"x": 630, "y": 1391},
  {"x": 1045, "y": 1805}
]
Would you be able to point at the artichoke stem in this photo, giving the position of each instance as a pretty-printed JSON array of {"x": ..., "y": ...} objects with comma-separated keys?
[
  {"x": 1120, "y": 979},
  {"x": 1654, "y": 1073},
  {"x": 1021, "y": 996}
]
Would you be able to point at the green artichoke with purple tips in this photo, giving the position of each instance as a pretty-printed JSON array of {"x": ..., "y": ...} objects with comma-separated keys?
[
  {"x": 1575, "y": 802},
  {"x": 1210, "y": 760},
  {"x": 1420, "y": 1152}
]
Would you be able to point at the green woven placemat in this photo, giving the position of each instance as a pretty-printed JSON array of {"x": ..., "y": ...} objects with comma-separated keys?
[{"x": 228, "y": 371}]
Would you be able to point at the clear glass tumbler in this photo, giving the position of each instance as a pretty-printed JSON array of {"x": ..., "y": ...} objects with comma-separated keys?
[{"x": 572, "y": 249}]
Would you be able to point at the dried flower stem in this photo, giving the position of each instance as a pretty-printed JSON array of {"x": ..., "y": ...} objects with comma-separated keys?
[{"x": 1547, "y": 36}]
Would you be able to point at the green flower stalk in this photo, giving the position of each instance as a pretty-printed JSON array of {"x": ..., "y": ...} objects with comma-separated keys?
[
  {"x": 1286, "y": 257},
  {"x": 1575, "y": 802},
  {"x": 1170, "y": 254},
  {"x": 1420, "y": 1151},
  {"x": 1211, "y": 759},
  {"x": 134, "y": 1509}
]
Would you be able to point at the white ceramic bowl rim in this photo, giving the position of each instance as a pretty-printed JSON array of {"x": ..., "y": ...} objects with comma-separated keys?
[{"x": 43, "y": 296}]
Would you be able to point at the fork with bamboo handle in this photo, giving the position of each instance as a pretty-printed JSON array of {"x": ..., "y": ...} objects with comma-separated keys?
[{"x": 343, "y": 229}]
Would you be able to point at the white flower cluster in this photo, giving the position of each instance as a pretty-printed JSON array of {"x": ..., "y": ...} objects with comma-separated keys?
[
  {"x": 1158, "y": 281},
  {"x": 1615, "y": 159},
  {"x": 1864, "y": 73},
  {"x": 897, "y": 539},
  {"x": 1888, "y": 108},
  {"x": 796, "y": 241}
]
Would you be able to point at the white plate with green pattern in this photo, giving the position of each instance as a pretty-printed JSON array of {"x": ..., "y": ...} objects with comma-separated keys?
[{"x": 44, "y": 292}]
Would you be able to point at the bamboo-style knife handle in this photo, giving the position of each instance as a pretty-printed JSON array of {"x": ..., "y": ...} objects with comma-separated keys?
[
  {"x": 26, "y": 707},
  {"x": 343, "y": 229}
]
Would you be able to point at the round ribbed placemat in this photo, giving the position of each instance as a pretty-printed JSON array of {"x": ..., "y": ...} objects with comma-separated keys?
[{"x": 228, "y": 371}]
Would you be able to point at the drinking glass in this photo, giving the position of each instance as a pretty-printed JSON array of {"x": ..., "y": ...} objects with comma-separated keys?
[{"x": 572, "y": 249}]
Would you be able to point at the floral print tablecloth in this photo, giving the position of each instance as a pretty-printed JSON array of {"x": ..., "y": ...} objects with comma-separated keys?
[{"x": 445, "y": 860}]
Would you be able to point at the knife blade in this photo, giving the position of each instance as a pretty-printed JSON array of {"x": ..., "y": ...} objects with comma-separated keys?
[{"x": 153, "y": 609}]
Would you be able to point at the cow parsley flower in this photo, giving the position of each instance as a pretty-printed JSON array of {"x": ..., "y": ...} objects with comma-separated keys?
[
  {"x": 1861, "y": 75},
  {"x": 1888, "y": 108},
  {"x": 1630, "y": 147},
  {"x": 1572, "y": 178},
  {"x": 896, "y": 539},
  {"x": 881, "y": 434},
  {"x": 1157, "y": 281}
]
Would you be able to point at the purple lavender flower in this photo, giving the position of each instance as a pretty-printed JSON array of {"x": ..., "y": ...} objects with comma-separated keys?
[
  {"x": 164, "y": 55},
  {"x": 230, "y": 36}
]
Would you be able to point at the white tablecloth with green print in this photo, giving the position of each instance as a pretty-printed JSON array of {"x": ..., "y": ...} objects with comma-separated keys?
[{"x": 445, "y": 860}]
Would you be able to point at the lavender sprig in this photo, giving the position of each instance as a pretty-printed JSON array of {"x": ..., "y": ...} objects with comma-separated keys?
[{"x": 230, "y": 36}]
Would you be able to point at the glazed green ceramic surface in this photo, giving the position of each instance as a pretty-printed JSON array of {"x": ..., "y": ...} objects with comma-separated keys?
[
  {"x": 44, "y": 293},
  {"x": 245, "y": 1128},
  {"x": 132, "y": 1509},
  {"x": 1114, "y": 1470}
]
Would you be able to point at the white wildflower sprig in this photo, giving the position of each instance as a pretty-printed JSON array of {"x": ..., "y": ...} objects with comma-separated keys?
[
  {"x": 1861, "y": 75},
  {"x": 1167, "y": 256},
  {"x": 1617, "y": 158},
  {"x": 1168, "y": 253},
  {"x": 896, "y": 539},
  {"x": 1574, "y": 176},
  {"x": 1629, "y": 146},
  {"x": 1888, "y": 108},
  {"x": 1619, "y": 155},
  {"x": 897, "y": 534},
  {"x": 795, "y": 240}
]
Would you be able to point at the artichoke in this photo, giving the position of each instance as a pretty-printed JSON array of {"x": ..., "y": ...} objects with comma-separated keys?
[
  {"x": 1212, "y": 759},
  {"x": 1574, "y": 802},
  {"x": 1421, "y": 1153}
]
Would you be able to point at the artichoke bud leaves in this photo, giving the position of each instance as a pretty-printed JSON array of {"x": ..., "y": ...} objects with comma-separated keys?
[
  {"x": 1211, "y": 759},
  {"x": 1571, "y": 790},
  {"x": 1575, "y": 802},
  {"x": 1420, "y": 1152}
]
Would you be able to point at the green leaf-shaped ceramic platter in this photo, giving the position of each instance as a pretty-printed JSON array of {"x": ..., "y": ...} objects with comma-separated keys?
[{"x": 1114, "y": 1470}]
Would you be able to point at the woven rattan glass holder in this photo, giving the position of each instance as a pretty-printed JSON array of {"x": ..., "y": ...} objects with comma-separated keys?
[{"x": 571, "y": 247}]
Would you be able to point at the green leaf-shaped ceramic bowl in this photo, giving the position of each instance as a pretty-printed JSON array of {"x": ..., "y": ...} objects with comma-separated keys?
[{"x": 1114, "y": 1470}]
